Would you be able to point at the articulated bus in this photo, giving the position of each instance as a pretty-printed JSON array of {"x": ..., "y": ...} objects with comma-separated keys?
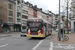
[{"x": 38, "y": 27}]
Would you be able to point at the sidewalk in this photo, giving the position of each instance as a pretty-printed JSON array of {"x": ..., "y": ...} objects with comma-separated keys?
[
  {"x": 9, "y": 32},
  {"x": 70, "y": 41},
  {"x": 6, "y": 34}
]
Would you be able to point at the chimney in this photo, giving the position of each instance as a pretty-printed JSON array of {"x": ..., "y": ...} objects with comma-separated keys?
[{"x": 35, "y": 6}]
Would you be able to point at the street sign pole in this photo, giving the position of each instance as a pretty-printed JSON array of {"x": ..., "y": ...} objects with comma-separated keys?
[
  {"x": 67, "y": 17},
  {"x": 59, "y": 33}
]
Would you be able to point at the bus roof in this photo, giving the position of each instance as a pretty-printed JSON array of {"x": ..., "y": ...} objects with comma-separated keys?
[{"x": 41, "y": 19}]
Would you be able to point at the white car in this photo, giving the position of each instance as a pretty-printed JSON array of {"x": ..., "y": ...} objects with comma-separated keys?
[
  {"x": 56, "y": 30},
  {"x": 23, "y": 33}
]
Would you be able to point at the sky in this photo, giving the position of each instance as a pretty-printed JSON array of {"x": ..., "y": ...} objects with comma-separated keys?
[{"x": 51, "y": 5}]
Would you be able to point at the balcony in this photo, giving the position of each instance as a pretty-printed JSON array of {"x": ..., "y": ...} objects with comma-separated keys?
[
  {"x": 10, "y": 21},
  {"x": 24, "y": 24},
  {"x": 18, "y": 22},
  {"x": 18, "y": 10},
  {"x": 10, "y": 16},
  {"x": 19, "y": 17}
]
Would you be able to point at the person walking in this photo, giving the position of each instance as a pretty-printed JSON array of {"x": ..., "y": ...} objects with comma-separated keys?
[{"x": 62, "y": 30}]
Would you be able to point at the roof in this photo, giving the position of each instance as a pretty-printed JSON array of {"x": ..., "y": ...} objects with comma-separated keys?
[{"x": 42, "y": 19}]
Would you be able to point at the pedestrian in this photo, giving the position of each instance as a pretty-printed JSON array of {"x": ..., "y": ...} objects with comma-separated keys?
[{"x": 62, "y": 30}]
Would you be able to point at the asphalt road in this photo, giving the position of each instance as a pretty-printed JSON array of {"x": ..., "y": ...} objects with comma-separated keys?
[{"x": 15, "y": 42}]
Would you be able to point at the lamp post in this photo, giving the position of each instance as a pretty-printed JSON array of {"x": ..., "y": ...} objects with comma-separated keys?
[{"x": 59, "y": 33}]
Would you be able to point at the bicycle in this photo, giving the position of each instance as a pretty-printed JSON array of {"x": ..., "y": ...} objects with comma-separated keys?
[{"x": 66, "y": 38}]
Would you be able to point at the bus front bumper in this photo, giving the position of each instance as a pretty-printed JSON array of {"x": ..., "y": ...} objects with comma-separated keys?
[{"x": 41, "y": 35}]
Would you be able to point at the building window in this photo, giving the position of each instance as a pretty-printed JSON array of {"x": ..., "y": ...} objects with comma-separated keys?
[
  {"x": 24, "y": 22},
  {"x": 10, "y": 6},
  {"x": 44, "y": 17},
  {"x": 18, "y": 20},
  {"x": 18, "y": 14},
  {"x": 24, "y": 6},
  {"x": 30, "y": 16},
  {"x": 10, "y": 20},
  {"x": 25, "y": 17},
  {"x": 24, "y": 11},
  {"x": 30, "y": 10},
  {"x": 18, "y": 8},
  {"x": 23, "y": 27},
  {"x": 10, "y": 13}
]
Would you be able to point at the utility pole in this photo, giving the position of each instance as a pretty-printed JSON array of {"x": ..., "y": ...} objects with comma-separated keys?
[
  {"x": 59, "y": 33},
  {"x": 67, "y": 17}
]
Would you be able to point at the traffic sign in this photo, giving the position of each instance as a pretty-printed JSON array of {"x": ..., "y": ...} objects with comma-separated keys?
[{"x": 62, "y": 12}]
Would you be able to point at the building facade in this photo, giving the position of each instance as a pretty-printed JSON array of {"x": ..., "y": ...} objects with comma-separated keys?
[
  {"x": 21, "y": 15},
  {"x": 7, "y": 16},
  {"x": 18, "y": 16},
  {"x": 24, "y": 14},
  {"x": 73, "y": 16},
  {"x": 30, "y": 10}
]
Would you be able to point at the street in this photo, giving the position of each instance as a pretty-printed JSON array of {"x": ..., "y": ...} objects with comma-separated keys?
[{"x": 25, "y": 43}]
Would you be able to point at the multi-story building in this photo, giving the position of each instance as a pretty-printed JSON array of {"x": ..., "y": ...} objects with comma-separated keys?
[
  {"x": 35, "y": 9},
  {"x": 39, "y": 13},
  {"x": 44, "y": 16},
  {"x": 24, "y": 15},
  {"x": 18, "y": 16},
  {"x": 7, "y": 15},
  {"x": 73, "y": 16},
  {"x": 51, "y": 17},
  {"x": 30, "y": 10},
  {"x": 21, "y": 15},
  {"x": 55, "y": 21}
]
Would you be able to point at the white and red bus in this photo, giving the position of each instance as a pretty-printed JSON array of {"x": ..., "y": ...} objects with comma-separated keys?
[{"x": 38, "y": 27}]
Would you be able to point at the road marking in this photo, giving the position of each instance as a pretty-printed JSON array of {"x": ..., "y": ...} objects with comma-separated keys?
[
  {"x": 4, "y": 45},
  {"x": 51, "y": 46},
  {"x": 2, "y": 39},
  {"x": 37, "y": 45},
  {"x": 64, "y": 47}
]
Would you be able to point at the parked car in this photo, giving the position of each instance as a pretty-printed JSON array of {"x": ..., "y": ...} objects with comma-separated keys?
[
  {"x": 23, "y": 33},
  {"x": 56, "y": 30}
]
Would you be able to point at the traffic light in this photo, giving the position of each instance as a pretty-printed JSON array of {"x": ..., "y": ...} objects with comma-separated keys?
[{"x": 63, "y": 18}]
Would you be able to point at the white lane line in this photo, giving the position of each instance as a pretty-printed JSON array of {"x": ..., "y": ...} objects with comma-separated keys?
[
  {"x": 37, "y": 45},
  {"x": 4, "y": 45},
  {"x": 51, "y": 46},
  {"x": 2, "y": 39}
]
